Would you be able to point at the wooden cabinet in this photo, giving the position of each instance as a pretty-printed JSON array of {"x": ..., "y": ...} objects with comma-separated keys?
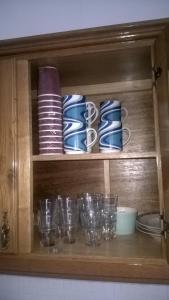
[
  {"x": 8, "y": 155},
  {"x": 128, "y": 63}
]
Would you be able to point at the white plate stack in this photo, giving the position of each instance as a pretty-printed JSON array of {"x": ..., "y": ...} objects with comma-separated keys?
[{"x": 149, "y": 223}]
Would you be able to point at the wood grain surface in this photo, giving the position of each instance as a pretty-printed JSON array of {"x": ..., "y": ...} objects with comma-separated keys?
[
  {"x": 8, "y": 180},
  {"x": 105, "y": 63}
]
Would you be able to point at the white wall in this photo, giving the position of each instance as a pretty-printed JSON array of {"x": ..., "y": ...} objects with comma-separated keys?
[
  {"x": 25, "y": 18},
  {"x": 29, "y": 288},
  {"x": 32, "y": 17}
]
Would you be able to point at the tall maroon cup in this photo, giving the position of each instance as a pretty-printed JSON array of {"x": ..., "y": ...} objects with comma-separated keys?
[
  {"x": 50, "y": 111},
  {"x": 49, "y": 81}
]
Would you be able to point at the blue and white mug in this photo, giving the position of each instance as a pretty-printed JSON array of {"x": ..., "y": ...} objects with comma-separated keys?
[
  {"x": 111, "y": 110},
  {"x": 111, "y": 136},
  {"x": 76, "y": 107},
  {"x": 75, "y": 136}
]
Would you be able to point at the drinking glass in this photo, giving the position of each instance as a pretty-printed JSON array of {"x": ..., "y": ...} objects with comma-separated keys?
[
  {"x": 91, "y": 221},
  {"x": 69, "y": 211},
  {"x": 91, "y": 205},
  {"x": 109, "y": 216},
  {"x": 91, "y": 201},
  {"x": 48, "y": 221}
]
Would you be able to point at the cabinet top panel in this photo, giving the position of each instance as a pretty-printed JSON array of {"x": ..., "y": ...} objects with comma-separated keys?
[{"x": 104, "y": 34}]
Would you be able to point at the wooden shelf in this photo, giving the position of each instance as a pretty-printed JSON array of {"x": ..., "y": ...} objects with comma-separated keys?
[
  {"x": 135, "y": 258},
  {"x": 137, "y": 247},
  {"x": 94, "y": 156}
]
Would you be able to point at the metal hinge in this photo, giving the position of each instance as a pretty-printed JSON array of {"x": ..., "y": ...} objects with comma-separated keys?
[
  {"x": 164, "y": 226},
  {"x": 4, "y": 231},
  {"x": 157, "y": 71}
]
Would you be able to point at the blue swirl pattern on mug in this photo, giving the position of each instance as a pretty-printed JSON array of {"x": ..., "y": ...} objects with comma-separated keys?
[
  {"x": 110, "y": 136},
  {"x": 74, "y": 135},
  {"x": 110, "y": 110},
  {"x": 74, "y": 107}
]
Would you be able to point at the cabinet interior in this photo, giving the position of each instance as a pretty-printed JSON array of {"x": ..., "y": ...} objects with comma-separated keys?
[{"x": 124, "y": 74}]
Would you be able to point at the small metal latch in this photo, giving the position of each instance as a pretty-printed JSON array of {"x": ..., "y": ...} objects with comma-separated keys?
[
  {"x": 166, "y": 226},
  {"x": 157, "y": 72},
  {"x": 4, "y": 231}
]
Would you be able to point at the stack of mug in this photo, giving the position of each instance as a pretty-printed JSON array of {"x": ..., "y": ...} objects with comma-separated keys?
[
  {"x": 50, "y": 111},
  {"x": 65, "y": 123},
  {"x": 78, "y": 115},
  {"x": 110, "y": 128}
]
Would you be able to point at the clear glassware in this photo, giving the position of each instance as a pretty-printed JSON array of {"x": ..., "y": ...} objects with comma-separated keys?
[
  {"x": 91, "y": 206},
  {"x": 91, "y": 201},
  {"x": 109, "y": 216},
  {"x": 91, "y": 221},
  {"x": 69, "y": 212},
  {"x": 48, "y": 222}
]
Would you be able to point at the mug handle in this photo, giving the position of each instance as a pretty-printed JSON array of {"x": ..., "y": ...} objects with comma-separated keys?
[
  {"x": 89, "y": 141},
  {"x": 125, "y": 113},
  {"x": 129, "y": 135},
  {"x": 94, "y": 112}
]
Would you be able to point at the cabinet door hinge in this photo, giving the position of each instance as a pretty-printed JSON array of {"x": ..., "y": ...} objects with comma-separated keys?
[
  {"x": 4, "y": 231},
  {"x": 164, "y": 226},
  {"x": 157, "y": 71}
]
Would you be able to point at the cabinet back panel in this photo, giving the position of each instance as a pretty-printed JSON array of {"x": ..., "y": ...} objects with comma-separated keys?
[
  {"x": 135, "y": 182},
  {"x": 72, "y": 177},
  {"x": 97, "y": 65},
  {"x": 140, "y": 119}
]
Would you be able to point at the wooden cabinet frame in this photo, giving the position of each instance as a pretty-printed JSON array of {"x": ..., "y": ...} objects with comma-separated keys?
[{"x": 18, "y": 59}]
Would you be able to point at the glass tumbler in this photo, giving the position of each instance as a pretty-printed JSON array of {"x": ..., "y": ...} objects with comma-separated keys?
[
  {"x": 91, "y": 205},
  {"x": 91, "y": 221},
  {"x": 69, "y": 212},
  {"x": 91, "y": 201},
  {"x": 48, "y": 221},
  {"x": 109, "y": 216}
]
